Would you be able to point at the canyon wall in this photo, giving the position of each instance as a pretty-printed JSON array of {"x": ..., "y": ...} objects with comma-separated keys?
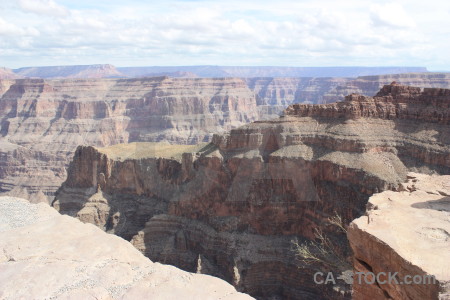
[
  {"x": 275, "y": 94},
  {"x": 405, "y": 233},
  {"x": 43, "y": 121},
  {"x": 369, "y": 85},
  {"x": 232, "y": 208}
]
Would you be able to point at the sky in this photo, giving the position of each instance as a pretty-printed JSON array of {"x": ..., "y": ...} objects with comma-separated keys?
[{"x": 225, "y": 32}]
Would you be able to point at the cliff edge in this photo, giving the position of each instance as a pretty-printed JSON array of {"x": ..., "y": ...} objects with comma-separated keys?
[
  {"x": 44, "y": 255},
  {"x": 407, "y": 234}
]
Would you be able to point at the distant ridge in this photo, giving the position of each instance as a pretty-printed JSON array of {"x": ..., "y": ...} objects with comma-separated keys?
[
  {"x": 110, "y": 71},
  {"x": 82, "y": 71},
  {"x": 6, "y": 73},
  {"x": 270, "y": 71}
]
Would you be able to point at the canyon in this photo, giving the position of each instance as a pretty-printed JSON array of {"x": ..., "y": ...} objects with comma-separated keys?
[
  {"x": 232, "y": 207},
  {"x": 42, "y": 121}
]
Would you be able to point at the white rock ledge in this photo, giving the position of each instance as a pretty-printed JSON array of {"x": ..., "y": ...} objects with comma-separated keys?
[{"x": 45, "y": 255}]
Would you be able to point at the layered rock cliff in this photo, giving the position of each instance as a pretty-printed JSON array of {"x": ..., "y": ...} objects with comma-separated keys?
[
  {"x": 275, "y": 94},
  {"x": 407, "y": 234},
  {"x": 369, "y": 85},
  {"x": 43, "y": 121},
  {"x": 79, "y": 261},
  {"x": 232, "y": 207}
]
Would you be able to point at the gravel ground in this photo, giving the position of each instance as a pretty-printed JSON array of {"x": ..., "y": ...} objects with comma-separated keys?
[{"x": 15, "y": 212}]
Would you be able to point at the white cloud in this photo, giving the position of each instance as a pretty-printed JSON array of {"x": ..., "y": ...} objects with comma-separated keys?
[
  {"x": 7, "y": 28},
  {"x": 391, "y": 14},
  {"x": 43, "y": 7},
  {"x": 304, "y": 33}
]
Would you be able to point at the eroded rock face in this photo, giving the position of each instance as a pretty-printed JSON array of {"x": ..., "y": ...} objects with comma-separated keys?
[
  {"x": 44, "y": 255},
  {"x": 275, "y": 94},
  {"x": 370, "y": 85},
  {"x": 392, "y": 102},
  {"x": 232, "y": 207},
  {"x": 43, "y": 121},
  {"x": 408, "y": 232}
]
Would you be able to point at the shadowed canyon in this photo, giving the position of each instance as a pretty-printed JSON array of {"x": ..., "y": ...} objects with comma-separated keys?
[{"x": 233, "y": 206}]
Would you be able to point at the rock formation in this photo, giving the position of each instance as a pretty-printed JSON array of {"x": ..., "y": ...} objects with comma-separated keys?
[
  {"x": 232, "y": 207},
  {"x": 408, "y": 232},
  {"x": 370, "y": 85},
  {"x": 44, "y": 255},
  {"x": 43, "y": 121},
  {"x": 275, "y": 94}
]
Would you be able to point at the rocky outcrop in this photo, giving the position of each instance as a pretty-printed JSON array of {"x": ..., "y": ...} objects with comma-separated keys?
[
  {"x": 44, "y": 255},
  {"x": 232, "y": 207},
  {"x": 406, "y": 233},
  {"x": 392, "y": 102},
  {"x": 370, "y": 85},
  {"x": 43, "y": 121}
]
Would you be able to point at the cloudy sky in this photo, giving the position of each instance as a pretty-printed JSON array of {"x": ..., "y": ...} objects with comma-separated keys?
[{"x": 225, "y": 32}]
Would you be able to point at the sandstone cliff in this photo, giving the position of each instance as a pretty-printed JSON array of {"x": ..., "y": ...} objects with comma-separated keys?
[
  {"x": 44, "y": 255},
  {"x": 275, "y": 94},
  {"x": 407, "y": 232},
  {"x": 369, "y": 85},
  {"x": 231, "y": 208},
  {"x": 43, "y": 121}
]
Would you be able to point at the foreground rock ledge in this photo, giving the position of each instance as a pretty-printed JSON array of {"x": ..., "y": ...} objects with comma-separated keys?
[
  {"x": 44, "y": 255},
  {"x": 405, "y": 232}
]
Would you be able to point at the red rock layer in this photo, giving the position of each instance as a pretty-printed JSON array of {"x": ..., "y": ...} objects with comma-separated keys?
[
  {"x": 55, "y": 116},
  {"x": 259, "y": 186},
  {"x": 391, "y": 102}
]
